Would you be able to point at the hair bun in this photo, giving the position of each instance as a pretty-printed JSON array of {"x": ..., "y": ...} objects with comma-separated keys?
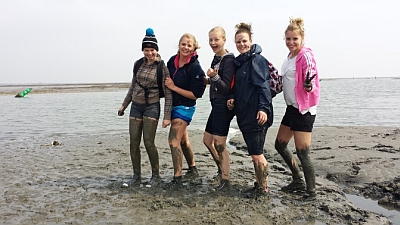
[{"x": 150, "y": 32}]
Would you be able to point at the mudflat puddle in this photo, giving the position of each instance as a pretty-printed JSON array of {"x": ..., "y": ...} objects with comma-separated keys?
[{"x": 367, "y": 204}]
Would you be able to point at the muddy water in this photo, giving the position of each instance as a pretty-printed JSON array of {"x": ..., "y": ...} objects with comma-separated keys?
[{"x": 371, "y": 205}]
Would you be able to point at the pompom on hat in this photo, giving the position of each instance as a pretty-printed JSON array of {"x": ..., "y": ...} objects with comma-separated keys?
[{"x": 149, "y": 41}]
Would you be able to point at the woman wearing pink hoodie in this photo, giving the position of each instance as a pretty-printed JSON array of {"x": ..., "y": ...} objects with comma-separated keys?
[{"x": 301, "y": 93}]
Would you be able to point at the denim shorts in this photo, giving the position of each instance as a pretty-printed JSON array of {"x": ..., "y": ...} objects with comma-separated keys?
[
  {"x": 297, "y": 121},
  {"x": 184, "y": 113},
  {"x": 220, "y": 118},
  {"x": 255, "y": 141},
  {"x": 140, "y": 110}
]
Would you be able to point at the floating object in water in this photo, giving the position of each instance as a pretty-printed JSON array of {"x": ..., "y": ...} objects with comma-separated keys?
[{"x": 23, "y": 93}]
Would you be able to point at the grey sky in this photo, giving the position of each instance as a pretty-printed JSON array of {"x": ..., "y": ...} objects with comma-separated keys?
[{"x": 95, "y": 41}]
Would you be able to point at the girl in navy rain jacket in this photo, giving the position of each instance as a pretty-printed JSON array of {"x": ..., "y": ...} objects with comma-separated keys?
[{"x": 252, "y": 103}]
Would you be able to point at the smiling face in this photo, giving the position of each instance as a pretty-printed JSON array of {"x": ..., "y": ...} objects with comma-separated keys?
[
  {"x": 150, "y": 54},
  {"x": 243, "y": 42},
  {"x": 294, "y": 41},
  {"x": 186, "y": 47},
  {"x": 217, "y": 42}
]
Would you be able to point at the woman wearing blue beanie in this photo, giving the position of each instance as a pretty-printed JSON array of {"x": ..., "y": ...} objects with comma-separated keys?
[{"x": 149, "y": 75}]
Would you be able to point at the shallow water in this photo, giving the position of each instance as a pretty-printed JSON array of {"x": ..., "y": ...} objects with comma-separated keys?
[
  {"x": 371, "y": 205},
  {"x": 38, "y": 117}
]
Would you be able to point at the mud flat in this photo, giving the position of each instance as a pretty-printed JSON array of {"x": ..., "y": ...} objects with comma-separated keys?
[{"x": 79, "y": 182}]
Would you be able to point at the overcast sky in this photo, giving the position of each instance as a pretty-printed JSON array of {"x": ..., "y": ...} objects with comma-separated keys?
[{"x": 96, "y": 41}]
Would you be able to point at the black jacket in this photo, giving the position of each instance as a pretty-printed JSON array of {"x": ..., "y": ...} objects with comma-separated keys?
[{"x": 220, "y": 84}]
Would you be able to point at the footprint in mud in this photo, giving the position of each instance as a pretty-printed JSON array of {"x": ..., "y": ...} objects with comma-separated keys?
[
  {"x": 326, "y": 157},
  {"x": 371, "y": 160},
  {"x": 238, "y": 154},
  {"x": 278, "y": 168},
  {"x": 386, "y": 148},
  {"x": 354, "y": 169},
  {"x": 322, "y": 148}
]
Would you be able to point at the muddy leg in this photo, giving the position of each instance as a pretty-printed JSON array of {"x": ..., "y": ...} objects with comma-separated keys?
[
  {"x": 149, "y": 133},
  {"x": 288, "y": 157},
  {"x": 187, "y": 149},
  {"x": 261, "y": 171},
  {"x": 308, "y": 169},
  {"x": 135, "y": 133},
  {"x": 297, "y": 183},
  {"x": 174, "y": 140},
  {"x": 224, "y": 160}
]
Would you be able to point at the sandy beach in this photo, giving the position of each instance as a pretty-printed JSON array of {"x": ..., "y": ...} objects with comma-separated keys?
[
  {"x": 79, "y": 179},
  {"x": 79, "y": 182}
]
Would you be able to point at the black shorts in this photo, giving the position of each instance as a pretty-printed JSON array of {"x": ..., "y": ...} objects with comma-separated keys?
[
  {"x": 220, "y": 118},
  {"x": 297, "y": 121},
  {"x": 255, "y": 141}
]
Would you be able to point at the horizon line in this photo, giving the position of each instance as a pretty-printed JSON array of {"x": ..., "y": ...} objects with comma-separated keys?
[{"x": 111, "y": 83}]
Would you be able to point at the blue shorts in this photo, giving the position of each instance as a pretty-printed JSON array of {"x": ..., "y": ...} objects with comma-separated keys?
[
  {"x": 297, "y": 121},
  {"x": 140, "y": 110},
  {"x": 220, "y": 118},
  {"x": 184, "y": 113}
]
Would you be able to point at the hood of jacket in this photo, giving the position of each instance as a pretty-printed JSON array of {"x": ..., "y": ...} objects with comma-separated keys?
[{"x": 255, "y": 49}]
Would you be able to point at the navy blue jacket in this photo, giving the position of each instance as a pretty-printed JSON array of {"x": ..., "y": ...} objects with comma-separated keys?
[
  {"x": 193, "y": 82},
  {"x": 252, "y": 89}
]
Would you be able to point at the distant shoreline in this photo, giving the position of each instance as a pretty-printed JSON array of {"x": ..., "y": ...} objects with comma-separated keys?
[
  {"x": 128, "y": 83},
  {"x": 63, "y": 88},
  {"x": 64, "y": 84},
  {"x": 45, "y": 88}
]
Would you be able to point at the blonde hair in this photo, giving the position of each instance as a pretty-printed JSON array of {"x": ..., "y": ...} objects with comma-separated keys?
[
  {"x": 243, "y": 28},
  {"x": 219, "y": 30},
  {"x": 191, "y": 37},
  {"x": 296, "y": 25}
]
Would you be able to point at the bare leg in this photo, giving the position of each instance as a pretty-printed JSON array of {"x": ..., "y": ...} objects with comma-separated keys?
[{"x": 208, "y": 140}]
